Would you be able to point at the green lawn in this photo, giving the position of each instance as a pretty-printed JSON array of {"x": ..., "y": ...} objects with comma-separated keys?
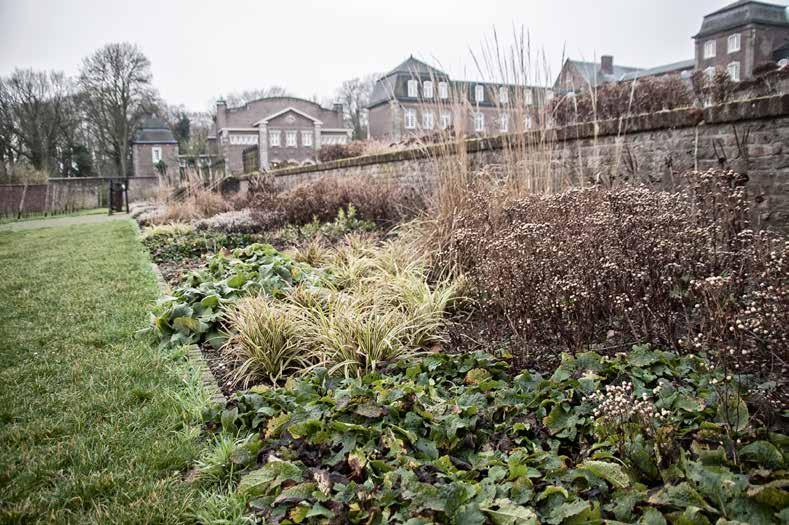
[
  {"x": 96, "y": 425},
  {"x": 38, "y": 216}
]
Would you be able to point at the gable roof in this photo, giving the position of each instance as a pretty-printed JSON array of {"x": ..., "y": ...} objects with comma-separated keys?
[
  {"x": 740, "y": 13},
  {"x": 682, "y": 65},
  {"x": 265, "y": 120},
  {"x": 154, "y": 130},
  {"x": 594, "y": 76},
  {"x": 413, "y": 66}
]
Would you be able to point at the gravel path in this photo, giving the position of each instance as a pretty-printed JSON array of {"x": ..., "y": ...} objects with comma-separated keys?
[{"x": 61, "y": 221}]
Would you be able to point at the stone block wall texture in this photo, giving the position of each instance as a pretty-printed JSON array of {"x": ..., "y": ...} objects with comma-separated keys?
[
  {"x": 751, "y": 137},
  {"x": 61, "y": 195}
]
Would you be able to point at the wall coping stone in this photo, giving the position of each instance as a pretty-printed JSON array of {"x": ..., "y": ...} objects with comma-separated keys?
[
  {"x": 94, "y": 179},
  {"x": 742, "y": 110}
]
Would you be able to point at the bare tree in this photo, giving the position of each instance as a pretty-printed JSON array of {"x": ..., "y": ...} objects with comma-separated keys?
[
  {"x": 355, "y": 95},
  {"x": 241, "y": 98},
  {"x": 34, "y": 107},
  {"x": 116, "y": 81}
]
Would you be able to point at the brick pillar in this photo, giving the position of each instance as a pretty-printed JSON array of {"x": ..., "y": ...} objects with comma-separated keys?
[
  {"x": 263, "y": 147},
  {"x": 317, "y": 140}
]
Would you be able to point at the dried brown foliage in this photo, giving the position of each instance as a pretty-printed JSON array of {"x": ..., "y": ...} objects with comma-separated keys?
[
  {"x": 716, "y": 90},
  {"x": 198, "y": 204},
  {"x": 380, "y": 202},
  {"x": 631, "y": 265},
  {"x": 341, "y": 151},
  {"x": 620, "y": 99}
]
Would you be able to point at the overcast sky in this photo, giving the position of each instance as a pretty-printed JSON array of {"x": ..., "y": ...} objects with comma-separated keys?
[{"x": 201, "y": 49}]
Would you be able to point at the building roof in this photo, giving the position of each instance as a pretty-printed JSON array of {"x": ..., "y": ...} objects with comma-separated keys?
[
  {"x": 592, "y": 73},
  {"x": 154, "y": 131},
  {"x": 682, "y": 65},
  {"x": 740, "y": 13},
  {"x": 412, "y": 66},
  {"x": 386, "y": 86}
]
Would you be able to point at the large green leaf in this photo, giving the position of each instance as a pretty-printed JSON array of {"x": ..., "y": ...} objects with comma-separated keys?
[
  {"x": 611, "y": 472},
  {"x": 733, "y": 411},
  {"x": 508, "y": 513},
  {"x": 763, "y": 453}
]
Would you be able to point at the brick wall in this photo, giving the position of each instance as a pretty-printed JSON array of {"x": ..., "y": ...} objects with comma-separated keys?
[
  {"x": 61, "y": 195},
  {"x": 749, "y": 136}
]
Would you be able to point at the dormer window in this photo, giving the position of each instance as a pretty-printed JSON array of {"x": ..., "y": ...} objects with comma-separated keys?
[
  {"x": 412, "y": 88},
  {"x": 443, "y": 90},
  {"x": 733, "y": 43},
  {"x": 479, "y": 93},
  {"x": 504, "y": 95},
  {"x": 709, "y": 49},
  {"x": 427, "y": 89}
]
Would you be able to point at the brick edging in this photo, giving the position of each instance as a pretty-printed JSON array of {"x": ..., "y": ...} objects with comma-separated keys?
[{"x": 207, "y": 377}]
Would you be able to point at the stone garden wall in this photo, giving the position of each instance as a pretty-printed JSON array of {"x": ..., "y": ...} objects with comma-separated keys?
[
  {"x": 749, "y": 136},
  {"x": 61, "y": 195}
]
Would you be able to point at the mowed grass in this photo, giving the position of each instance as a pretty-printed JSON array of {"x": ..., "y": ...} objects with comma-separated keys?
[
  {"x": 41, "y": 216},
  {"x": 96, "y": 425}
]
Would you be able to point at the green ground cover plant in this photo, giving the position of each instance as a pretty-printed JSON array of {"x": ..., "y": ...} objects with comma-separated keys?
[
  {"x": 194, "y": 310},
  {"x": 96, "y": 426},
  {"x": 176, "y": 242},
  {"x": 649, "y": 437}
]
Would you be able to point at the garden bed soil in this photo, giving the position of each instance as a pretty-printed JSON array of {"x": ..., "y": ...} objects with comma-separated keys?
[{"x": 175, "y": 271}]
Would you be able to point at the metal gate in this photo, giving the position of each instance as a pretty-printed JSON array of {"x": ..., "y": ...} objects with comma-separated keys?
[{"x": 119, "y": 197}]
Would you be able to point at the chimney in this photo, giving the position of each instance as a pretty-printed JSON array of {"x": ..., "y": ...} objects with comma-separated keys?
[
  {"x": 338, "y": 108},
  {"x": 221, "y": 113},
  {"x": 607, "y": 64}
]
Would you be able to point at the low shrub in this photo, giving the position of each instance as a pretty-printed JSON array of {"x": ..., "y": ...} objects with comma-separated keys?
[
  {"x": 642, "y": 438},
  {"x": 177, "y": 242},
  {"x": 631, "y": 265},
  {"x": 197, "y": 205},
  {"x": 619, "y": 99},
  {"x": 341, "y": 151},
  {"x": 382, "y": 203},
  {"x": 235, "y": 221}
]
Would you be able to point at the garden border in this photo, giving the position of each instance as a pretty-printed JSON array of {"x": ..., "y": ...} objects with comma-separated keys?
[{"x": 208, "y": 378}]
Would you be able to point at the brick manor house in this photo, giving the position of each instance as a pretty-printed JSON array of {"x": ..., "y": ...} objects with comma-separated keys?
[
  {"x": 415, "y": 98},
  {"x": 737, "y": 38},
  {"x": 285, "y": 130}
]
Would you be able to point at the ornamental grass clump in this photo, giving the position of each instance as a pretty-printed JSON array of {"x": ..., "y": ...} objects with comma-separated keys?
[
  {"x": 374, "y": 306},
  {"x": 620, "y": 266},
  {"x": 264, "y": 341}
]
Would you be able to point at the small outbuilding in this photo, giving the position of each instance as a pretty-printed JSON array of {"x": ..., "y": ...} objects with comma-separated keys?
[{"x": 154, "y": 150}]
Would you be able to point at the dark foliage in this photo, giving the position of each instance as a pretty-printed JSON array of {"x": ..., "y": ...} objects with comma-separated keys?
[{"x": 642, "y": 438}]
